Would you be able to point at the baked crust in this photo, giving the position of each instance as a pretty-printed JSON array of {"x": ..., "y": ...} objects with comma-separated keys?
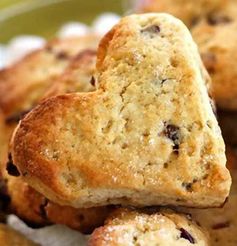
[{"x": 147, "y": 136}]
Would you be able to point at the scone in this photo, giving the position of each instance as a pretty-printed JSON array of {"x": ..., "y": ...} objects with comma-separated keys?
[
  {"x": 10, "y": 237},
  {"x": 217, "y": 41},
  {"x": 36, "y": 210},
  {"x": 24, "y": 83},
  {"x": 189, "y": 11},
  {"x": 147, "y": 136},
  {"x": 128, "y": 227}
]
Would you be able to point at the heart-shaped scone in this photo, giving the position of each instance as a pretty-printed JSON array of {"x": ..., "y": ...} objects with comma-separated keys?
[{"x": 147, "y": 136}]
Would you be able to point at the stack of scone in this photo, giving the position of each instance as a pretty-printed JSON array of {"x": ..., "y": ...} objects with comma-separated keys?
[{"x": 123, "y": 137}]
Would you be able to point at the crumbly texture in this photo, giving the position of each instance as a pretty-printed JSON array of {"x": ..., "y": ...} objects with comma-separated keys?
[
  {"x": 128, "y": 227},
  {"x": 36, "y": 210},
  {"x": 24, "y": 83},
  {"x": 10, "y": 237},
  {"x": 220, "y": 223},
  {"x": 147, "y": 136},
  {"x": 189, "y": 11},
  {"x": 216, "y": 38}
]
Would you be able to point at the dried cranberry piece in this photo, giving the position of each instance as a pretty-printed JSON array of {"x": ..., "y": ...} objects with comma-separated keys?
[
  {"x": 11, "y": 168},
  {"x": 92, "y": 81},
  {"x": 221, "y": 225},
  {"x": 173, "y": 133},
  {"x": 215, "y": 20},
  {"x": 186, "y": 235},
  {"x": 62, "y": 55}
]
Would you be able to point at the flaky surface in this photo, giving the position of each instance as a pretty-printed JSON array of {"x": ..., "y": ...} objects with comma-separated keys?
[
  {"x": 147, "y": 136},
  {"x": 127, "y": 227},
  {"x": 10, "y": 237},
  {"x": 24, "y": 83},
  {"x": 189, "y": 11},
  {"x": 216, "y": 38}
]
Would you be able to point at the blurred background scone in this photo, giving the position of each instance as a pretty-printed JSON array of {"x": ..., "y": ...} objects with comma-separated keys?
[
  {"x": 189, "y": 11},
  {"x": 37, "y": 211},
  {"x": 24, "y": 83},
  {"x": 217, "y": 41}
]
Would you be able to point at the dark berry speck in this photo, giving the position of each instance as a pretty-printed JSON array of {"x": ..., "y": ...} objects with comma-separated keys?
[{"x": 186, "y": 235}]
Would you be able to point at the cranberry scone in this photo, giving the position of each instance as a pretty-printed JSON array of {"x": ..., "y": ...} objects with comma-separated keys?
[
  {"x": 146, "y": 136},
  {"x": 128, "y": 227}
]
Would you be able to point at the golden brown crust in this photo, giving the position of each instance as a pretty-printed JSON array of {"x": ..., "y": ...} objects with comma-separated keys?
[
  {"x": 23, "y": 84},
  {"x": 143, "y": 138},
  {"x": 129, "y": 227},
  {"x": 10, "y": 237},
  {"x": 189, "y": 11}
]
